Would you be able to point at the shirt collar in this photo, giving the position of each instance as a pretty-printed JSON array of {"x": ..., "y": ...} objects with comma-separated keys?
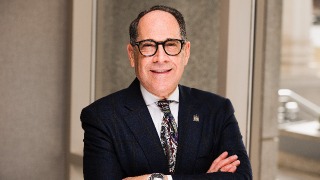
[{"x": 150, "y": 98}]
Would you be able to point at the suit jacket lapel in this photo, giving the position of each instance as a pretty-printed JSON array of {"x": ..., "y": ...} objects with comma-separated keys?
[
  {"x": 189, "y": 130},
  {"x": 141, "y": 125}
]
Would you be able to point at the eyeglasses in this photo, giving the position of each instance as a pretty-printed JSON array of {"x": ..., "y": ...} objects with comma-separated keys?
[{"x": 149, "y": 47}]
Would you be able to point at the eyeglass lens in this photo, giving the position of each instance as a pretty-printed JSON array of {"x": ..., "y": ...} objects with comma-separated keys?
[{"x": 150, "y": 47}]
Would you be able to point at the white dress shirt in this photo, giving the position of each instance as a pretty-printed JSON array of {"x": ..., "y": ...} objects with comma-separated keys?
[{"x": 156, "y": 113}]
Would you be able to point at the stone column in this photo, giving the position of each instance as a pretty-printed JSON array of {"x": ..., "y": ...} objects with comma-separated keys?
[{"x": 297, "y": 21}]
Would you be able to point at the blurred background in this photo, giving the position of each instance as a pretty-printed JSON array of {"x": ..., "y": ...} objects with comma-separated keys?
[{"x": 58, "y": 56}]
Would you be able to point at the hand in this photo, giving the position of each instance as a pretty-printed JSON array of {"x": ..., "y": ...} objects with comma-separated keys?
[
  {"x": 143, "y": 177},
  {"x": 224, "y": 163}
]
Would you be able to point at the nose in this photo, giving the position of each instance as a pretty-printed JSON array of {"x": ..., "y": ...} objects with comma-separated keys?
[{"x": 161, "y": 55}]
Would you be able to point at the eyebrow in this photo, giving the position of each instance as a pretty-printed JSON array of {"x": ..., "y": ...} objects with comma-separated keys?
[{"x": 160, "y": 41}]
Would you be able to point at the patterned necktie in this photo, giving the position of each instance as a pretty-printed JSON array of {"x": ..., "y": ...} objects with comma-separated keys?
[{"x": 168, "y": 134}]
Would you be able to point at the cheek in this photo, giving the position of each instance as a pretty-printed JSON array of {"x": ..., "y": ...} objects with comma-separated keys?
[
  {"x": 140, "y": 66},
  {"x": 183, "y": 63},
  {"x": 185, "y": 59}
]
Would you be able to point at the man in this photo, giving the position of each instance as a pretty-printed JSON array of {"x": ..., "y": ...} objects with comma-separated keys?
[{"x": 156, "y": 128}]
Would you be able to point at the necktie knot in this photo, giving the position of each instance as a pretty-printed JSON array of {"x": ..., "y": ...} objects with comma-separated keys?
[{"x": 164, "y": 105}]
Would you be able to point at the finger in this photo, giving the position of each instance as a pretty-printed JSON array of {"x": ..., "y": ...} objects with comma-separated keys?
[
  {"x": 213, "y": 167},
  {"x": 233, "y": 169},
  {"x": 226, "y": 162},
  {"x": 221, "y": 157},
  {"x": 230, "y": 167},
  {"x": 219, "y": 162},
  {"x": 236, "y": 163},
  {"x": 226, "y": 168}
]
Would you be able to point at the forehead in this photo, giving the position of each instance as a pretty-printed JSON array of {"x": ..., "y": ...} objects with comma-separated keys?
[{"x": 158, "y": 25}]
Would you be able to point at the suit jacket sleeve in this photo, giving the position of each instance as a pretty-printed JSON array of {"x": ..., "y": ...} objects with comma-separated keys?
[
  {"x": 99, "y": 161},
  {"x": 228, "y": 137}
]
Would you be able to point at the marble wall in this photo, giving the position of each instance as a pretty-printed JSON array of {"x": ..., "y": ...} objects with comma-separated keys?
[
  {"x": 34, "y": 88},
  {"x": 113, "y": 68}
]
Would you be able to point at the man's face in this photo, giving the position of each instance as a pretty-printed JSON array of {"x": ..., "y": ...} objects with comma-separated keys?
[{"x": 160, "y": 73}]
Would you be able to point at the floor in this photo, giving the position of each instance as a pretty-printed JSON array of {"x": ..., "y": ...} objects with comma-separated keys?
[{"x": 289, "y": 174}]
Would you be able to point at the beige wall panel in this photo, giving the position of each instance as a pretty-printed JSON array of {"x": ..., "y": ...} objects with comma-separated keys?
[
  {"x": 34, "y": 81},
  {"x": 113, "y": 68}
]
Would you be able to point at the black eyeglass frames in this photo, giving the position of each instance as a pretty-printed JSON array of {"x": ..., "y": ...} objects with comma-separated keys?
[{"x": 149, "y": 47}]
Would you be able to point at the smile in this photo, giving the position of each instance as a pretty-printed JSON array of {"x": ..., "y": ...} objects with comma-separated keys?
[{"x": 161, "y": 71}]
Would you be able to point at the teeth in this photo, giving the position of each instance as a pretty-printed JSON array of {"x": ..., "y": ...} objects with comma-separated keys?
[{"x": 160, "y": 71}]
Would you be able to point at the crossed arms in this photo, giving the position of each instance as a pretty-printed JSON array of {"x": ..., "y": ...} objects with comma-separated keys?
[
  {"x": 119, "y": 142},
  {"x": 117, "y": 155},
  {"x": 223, "y": 163}
]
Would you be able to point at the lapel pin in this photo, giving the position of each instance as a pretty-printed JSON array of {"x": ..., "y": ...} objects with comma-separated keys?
[{"x": 196, "y": 118}]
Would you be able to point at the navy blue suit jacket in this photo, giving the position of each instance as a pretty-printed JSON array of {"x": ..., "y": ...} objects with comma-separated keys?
[{"x": 120, "y": 139}]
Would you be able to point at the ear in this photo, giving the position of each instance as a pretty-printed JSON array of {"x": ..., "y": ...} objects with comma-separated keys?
[
  {"x": 130, "y": 51},
  {"x": 187, "y": 47}
]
